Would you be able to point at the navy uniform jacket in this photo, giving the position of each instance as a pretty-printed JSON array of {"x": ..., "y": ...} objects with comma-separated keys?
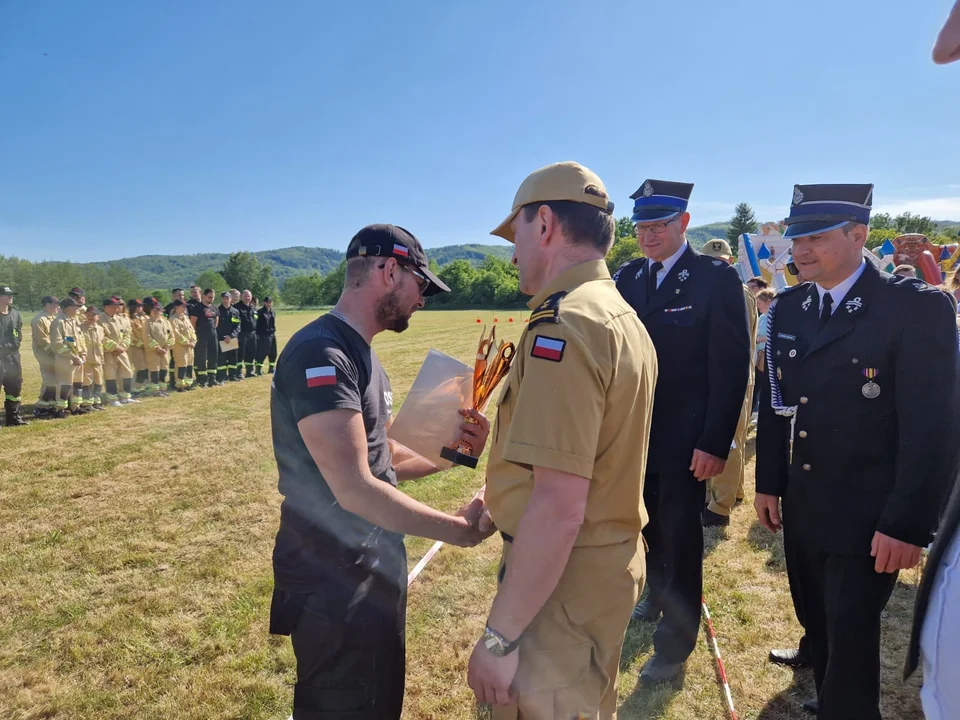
[
  {"x": 696, "y": 320},
  {"x": 861, "y": 464}
]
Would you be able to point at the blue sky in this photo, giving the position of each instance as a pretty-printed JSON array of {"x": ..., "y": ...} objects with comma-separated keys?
[{"x": 174, "y": 127}]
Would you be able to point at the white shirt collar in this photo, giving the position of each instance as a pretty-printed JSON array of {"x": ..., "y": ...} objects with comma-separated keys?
[
  {"x": 672, "y": 260},
  {"x": 839, "y": 292}
]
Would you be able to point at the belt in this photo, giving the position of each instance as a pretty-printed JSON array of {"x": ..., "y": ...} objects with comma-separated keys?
[{"x": 506, "y": 537}]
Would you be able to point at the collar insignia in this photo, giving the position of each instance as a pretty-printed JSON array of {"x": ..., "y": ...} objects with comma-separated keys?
[
  {"x": 853, "y": 305},
  {"x": 683, "y": 275},
  {"x": 806, "y": 303}
]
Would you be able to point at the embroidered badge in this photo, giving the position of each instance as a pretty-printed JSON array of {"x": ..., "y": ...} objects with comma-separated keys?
[
  {"x": 320, "y": 376},
  {"x": 797, "y": 195},
  {"x": 853, "y": 305},
  {"x": 806, "y": 303},
  {"x": 647, "y": 189},
  {"x": 548, "y": 348},
  {"x": 683, "y": 275},
  {"x": 870, "y": 390},
  {"x": 548, "y": 311}
]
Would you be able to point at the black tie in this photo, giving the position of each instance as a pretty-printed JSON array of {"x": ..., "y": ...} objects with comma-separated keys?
[
  {"x": 652, "y": 279},
  {"x": 825, "y": 310}
]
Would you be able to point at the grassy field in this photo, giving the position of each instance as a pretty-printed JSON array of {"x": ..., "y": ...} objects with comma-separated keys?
[{"x": 135, "y": 571}]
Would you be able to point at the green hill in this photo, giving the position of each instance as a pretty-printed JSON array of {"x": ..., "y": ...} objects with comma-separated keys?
[{"x": 166, "y": 271}]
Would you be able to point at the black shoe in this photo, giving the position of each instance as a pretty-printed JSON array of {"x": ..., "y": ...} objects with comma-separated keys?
[
  {"x": 712, "y": 519},
  {"x": 59, "y": 414},
  {"x": 658, "y": 671},
  {"x": 812, "y": 706},
  {"x": 646, "y": 611},
  {"x": 791, "y": 658}
]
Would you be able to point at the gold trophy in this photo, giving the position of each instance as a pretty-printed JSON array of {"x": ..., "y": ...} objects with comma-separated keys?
[{"x": 491, "y": 366}]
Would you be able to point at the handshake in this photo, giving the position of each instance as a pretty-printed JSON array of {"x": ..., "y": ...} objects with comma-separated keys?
[{"x": 479, "y": 525}]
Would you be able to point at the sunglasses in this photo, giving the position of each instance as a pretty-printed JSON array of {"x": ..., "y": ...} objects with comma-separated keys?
[{"x": 423, "y": 282}]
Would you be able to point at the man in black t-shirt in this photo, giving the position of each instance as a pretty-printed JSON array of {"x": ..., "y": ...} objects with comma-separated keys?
[
  {"x": 204, "y": 317},
  {"x": 266, "y": 336},
  {"x": 340, "y": 567}
]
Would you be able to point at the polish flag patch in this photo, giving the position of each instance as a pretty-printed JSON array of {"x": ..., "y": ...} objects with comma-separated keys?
[
  {"x": 320, "y": 376},
  {"x": 401, "y": 250},
  {"x": 548, "y": 348}
]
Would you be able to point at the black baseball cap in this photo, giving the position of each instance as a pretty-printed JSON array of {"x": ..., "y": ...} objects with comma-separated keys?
[
  {"x": 78, "y": 292},
  {"x": 5, "y": 290},
  {"x": 396, "y": 242}
]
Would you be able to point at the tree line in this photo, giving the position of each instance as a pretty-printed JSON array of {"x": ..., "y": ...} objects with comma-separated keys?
[{"x": 491, "y": 283}]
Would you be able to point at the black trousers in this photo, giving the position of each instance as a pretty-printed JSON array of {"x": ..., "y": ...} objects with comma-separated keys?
[
  {"x": 11, "y": 376},
  {"x": 227, "y": 368},
  {"x": 841, "y": 599},
  {"x": 205, "y": 357},
  {"x": 350, "y": 645},
  {"x": 795, "y": 594},
  {"x": 674, "y": 538},
  {"x": 267, "y": 347},
  {"x": 248, "y": 351}
]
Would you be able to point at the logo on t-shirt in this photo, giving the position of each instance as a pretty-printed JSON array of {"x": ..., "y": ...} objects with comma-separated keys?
[
  {"x": 320, "y": 376},
  {"x": 388, "y": 399}
]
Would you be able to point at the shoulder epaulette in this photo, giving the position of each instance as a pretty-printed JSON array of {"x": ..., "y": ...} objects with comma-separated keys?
[
  {"x": 792, "y": 288},
  {"x": 548, "y": 311}
]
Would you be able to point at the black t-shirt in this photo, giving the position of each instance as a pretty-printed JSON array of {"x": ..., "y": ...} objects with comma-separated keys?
[
  {"x": 206, "y": 316},
  {"x": 327, "y": 366}
]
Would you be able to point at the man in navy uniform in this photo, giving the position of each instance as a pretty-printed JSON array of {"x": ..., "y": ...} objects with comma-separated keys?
[
  {"x": 857, "y": 437},
  {"x": 693, "y": 307}
]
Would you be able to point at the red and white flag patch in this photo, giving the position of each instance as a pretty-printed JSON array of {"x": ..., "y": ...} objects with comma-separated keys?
[
  {"x": 320, "y": 376},
  {"x": 548, "y": 348},
  {"x": 400, "y": 250}
]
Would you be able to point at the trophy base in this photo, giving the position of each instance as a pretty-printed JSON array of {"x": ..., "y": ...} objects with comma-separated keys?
[{"x": 459, "y": 458}]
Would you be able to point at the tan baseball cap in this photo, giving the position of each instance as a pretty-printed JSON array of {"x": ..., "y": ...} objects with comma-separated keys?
[
  {"x": 717, "y": 249},
  {"x": 561, "y": 181},
  {"x": 947, "y": 48}
]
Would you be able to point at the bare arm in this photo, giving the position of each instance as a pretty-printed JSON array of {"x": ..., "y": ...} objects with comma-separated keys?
[
  {"x": 541, "y": 548},
  {"x": 337, "y": 442}
]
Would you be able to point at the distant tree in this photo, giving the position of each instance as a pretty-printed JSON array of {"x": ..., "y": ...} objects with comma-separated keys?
[
  {"x": 910, "y": 223},
  {"x": 161, "y": 294},
  {"x": 332, "y": 285},
  {"x": 743, "y": 221},
  {"x": 624, "y": 250},
  {"x": 243, "y": 271},
  {"x": 877, "y": 237},
  {"x": 625, "y": 228},
  {"x": 303, "y": 290},
  {"x": 881, "y": 221},
  {"x": 214, "y": 280}
]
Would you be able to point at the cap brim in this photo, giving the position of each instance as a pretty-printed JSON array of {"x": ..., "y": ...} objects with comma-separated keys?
[
  {"x": 947, "y": 47},
  {"x": 503, "y": 229},
  {"x": 802, "y": 229},
  {"x": 653, "y": 215},
  {"x": 436, "y": 286}
]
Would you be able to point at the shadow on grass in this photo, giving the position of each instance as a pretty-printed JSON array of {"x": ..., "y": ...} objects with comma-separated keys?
[
  {"x": 788, "y": 704},
  {"x": 762, "y": 540}
]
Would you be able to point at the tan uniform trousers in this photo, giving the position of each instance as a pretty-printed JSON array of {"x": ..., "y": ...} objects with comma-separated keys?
[
  {"x": 93, "y": 374},
  {"x": 182, "y": 356},
  {"x": 65, "y": 372},
  {"x": 156, "y": 362},
  {"x": 570, "y": 653},
  {"x": 48, "y": 371},
  {"x": 727, "y": 487},
  {"x": 117, "y": 367},
  {"x": 137, "y": 358}
]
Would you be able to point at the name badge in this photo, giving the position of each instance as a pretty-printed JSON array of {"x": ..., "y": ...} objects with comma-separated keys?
[{"x": 784, "y": 336}]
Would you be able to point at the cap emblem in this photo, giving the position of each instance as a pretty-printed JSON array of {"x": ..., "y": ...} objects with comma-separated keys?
[
  {"x": 647, "y": 189},
  {"x": 797, "y": 195}
]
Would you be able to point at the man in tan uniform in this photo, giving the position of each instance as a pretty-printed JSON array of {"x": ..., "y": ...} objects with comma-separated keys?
[
  {"x": 69, "y": 351},
  {"x": 158, "y": 341},
  {"x": 727, "y": 488},
  {"x": 40, "y": 334},
  {"x": 565, "y": 475},
  {"x": 93, "y": 364}
]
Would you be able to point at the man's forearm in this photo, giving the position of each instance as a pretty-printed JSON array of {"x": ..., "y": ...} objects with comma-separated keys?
[
  {"x": 536, "y": 562},
  {"x": 409, "y": 465},
  {"x": 383, "y": 505}
]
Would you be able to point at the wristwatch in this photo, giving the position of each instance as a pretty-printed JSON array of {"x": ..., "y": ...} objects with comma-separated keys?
[{"x": 497, "y": 644}]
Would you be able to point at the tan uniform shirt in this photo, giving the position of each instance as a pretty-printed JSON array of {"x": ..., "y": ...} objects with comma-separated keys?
[
  {"x": 157, "y": 334},
  {"x": 40, "y": 332},
  {"x": 137, "y": 323},
  {"x": 116, "y": 332},
  {"x": 65, "y": 336},
  {"x": 93, "y": 337},
  {"x": 578, "y": 398},
  {"x": 183, "y": 331}
]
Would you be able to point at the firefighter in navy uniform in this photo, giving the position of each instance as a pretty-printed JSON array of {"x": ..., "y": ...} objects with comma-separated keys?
[
  {"x": 205, "y": 318},
  {"x": 11, "y": 372},
  {"x": 857, "y": 439},
  {"x": 266, "y": 336},
  {"x": 228, "y": 327},
  {"x": 247, "y": 354},
  {"x": 693, "y": 307}
]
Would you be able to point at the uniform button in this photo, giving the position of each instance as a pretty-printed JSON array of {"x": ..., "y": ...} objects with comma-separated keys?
[
  {"x": 803, "y": 433},
  {"x": 855, "y": 361},
  {"x": 806, "y": 467},
  {"x": 803, "y": 400}
]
